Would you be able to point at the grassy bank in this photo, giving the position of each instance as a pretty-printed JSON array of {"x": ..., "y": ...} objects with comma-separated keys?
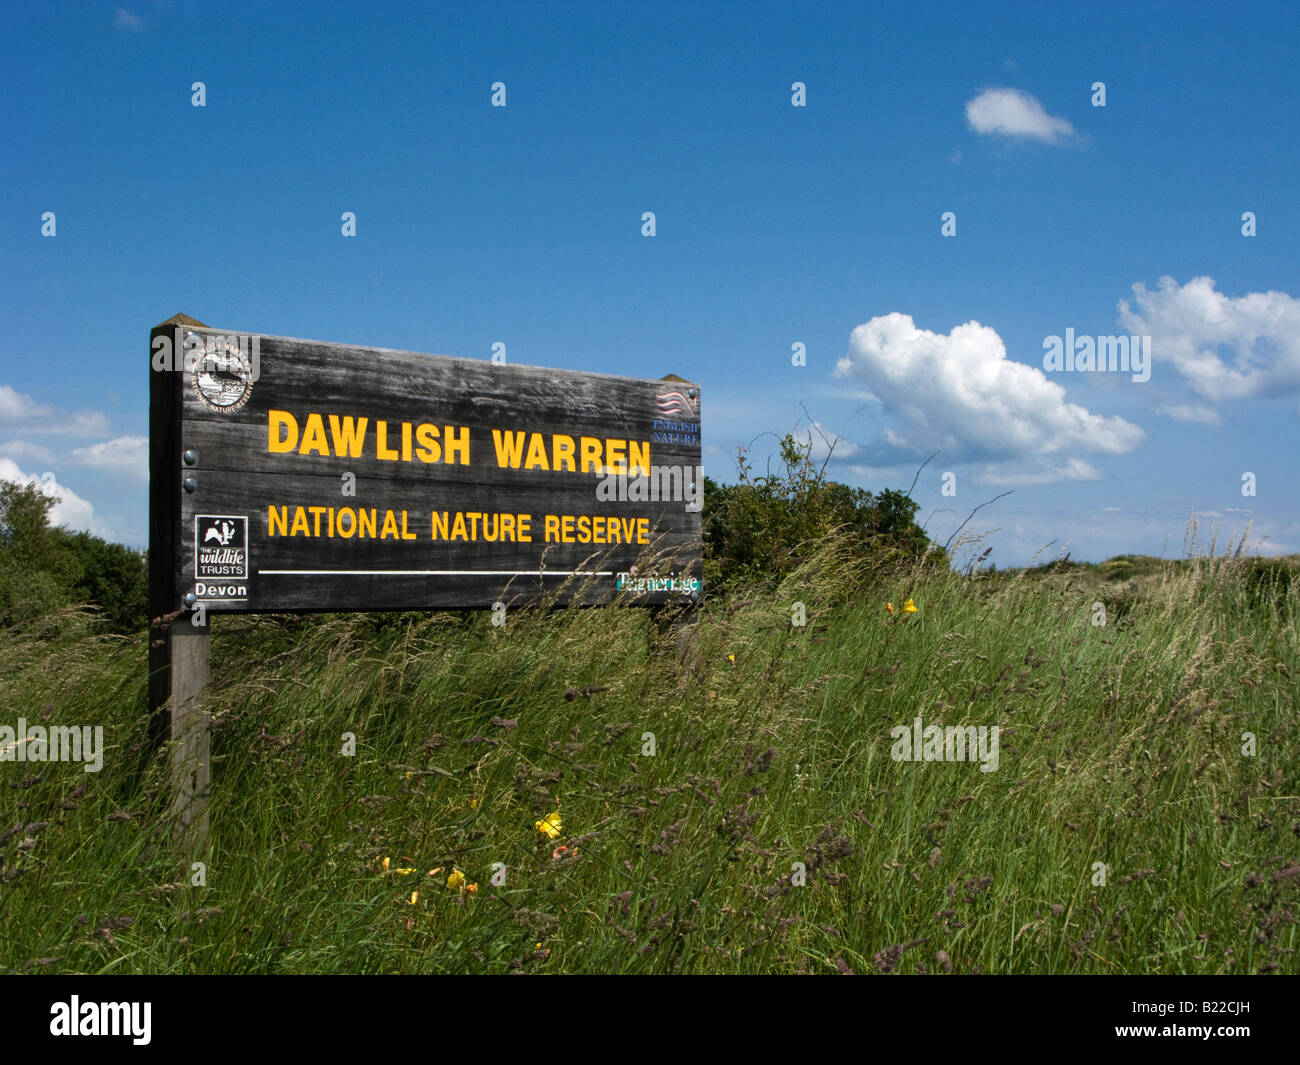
[{"x": 1121, "y": 744}]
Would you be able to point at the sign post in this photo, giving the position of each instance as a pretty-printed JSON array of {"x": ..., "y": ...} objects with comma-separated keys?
[
  {"x": 179, "y": 650},
  {"x": 299, "y": 476}
]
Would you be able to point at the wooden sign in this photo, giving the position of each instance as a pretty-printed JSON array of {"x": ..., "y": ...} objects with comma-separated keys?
[{"x": 298, "y": 475}]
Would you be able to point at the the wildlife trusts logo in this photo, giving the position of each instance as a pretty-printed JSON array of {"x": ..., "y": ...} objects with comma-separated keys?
[
  {"x": 223, "y": 376},
  {"x": 220, "y": 546}
]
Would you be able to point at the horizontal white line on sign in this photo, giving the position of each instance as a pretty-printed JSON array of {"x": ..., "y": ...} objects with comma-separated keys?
[{"x": 433, "y": 573}]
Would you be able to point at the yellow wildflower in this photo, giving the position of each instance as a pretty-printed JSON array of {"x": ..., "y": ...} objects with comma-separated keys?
[
  {"x": 405, "y": 872},
  {"x": 550, "y": 825},
  {"x": 456, "y": 879},
  {"x": 731, "y": 659},
  {"x": 909, "y": 607},
  {"x": 415, "y": 897},
  {"x": 385, "y": 865}
]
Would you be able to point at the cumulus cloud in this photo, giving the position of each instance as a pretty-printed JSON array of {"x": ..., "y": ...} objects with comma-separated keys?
[
  {"x": 1193, "y": 327},
  {"x": 125, "y": 454},
  {"x": 959, "y": 392},
  {"x": 1016, "y": 114},
  {"x": 71, "y": 511},
  {"x": 17, "y": 406}
]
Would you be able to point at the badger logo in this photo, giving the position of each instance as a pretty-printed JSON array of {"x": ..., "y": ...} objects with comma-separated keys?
[{"x": 221, "y": 533}]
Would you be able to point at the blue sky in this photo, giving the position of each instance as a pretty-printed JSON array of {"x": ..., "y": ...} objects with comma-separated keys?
[{"x": 775, "y": 225}]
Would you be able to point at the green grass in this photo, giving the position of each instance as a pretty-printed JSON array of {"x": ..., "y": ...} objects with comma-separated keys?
[{"x": 1122, "y": 745}]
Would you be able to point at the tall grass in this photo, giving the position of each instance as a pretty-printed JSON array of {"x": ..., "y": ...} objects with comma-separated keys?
[{"x": 1121, "y": 750}]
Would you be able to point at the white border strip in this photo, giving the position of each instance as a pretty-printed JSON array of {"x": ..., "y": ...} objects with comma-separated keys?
[{"x": 433, "y": 573}]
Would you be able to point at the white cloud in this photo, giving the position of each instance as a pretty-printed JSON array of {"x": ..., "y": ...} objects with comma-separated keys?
[
  {"x": 1012, "y": 113},
  {"x": 125, "y": 454},
  {"x": 899, "y": 473},
  {"x": 19, "y": 410},
  {"x": 74, "y": 423},
  {"x": 1190, "y": 324},
  {"x": 1190, "y": 412},
  {"x": 17, "y": 406},
  {"x": 125, "y": 20},
  {"x": 1074, "y": 470},
  {"x": 25, "y": 451},
  {"x": 960, "y": 393},
  {"x": 822, "y": 440},
  {"x": 71, "y": 511}
]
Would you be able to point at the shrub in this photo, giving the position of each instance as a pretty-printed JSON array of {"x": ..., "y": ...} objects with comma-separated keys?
[
  {"x": 111, "y": 577},
  {"x": 26, "y": 539},
  {"x": 763, "y": 528},
  {"x": 43, "y": 568}
]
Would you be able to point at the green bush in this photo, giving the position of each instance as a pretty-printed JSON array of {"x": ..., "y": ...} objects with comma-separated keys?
[
  {"x": 111, "y": 577},
  {"x": 43, "y": 569},
  {"x": 26, "y": 539},
  {"x": 763, "y": 528}
]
